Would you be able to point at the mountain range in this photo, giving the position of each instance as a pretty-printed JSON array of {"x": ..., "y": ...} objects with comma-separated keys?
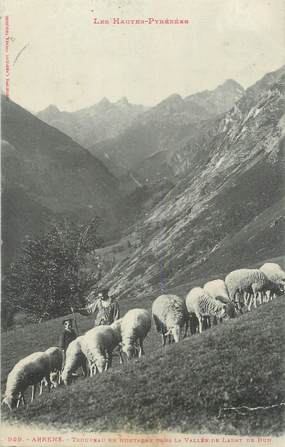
[
  {"x": 162, "y": 130},
  {"x": 227, "y": 209},
  {"x": 123, "y": 135},
  {"x": 91, "y": 125},
  {"x": 186, "y": 179}
]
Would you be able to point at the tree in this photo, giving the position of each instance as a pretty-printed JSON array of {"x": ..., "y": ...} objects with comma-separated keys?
[{"x": 49, "y": 276}]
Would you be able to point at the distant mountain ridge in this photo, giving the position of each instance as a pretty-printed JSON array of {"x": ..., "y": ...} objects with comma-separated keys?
[
  {"x": 164, "y": 128},
  {"x": 219, "y": 100},
  {"x": 123, "y": 135},
  {"x": 93, "y": 124}
]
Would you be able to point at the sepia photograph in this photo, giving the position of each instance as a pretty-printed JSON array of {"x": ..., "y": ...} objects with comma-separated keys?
[{"x": 142, "y": 223}]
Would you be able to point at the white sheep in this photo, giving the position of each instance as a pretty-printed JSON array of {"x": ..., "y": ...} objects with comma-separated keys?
[
  {"x": 275, "y": 273},
  {"x": 98, "y": 344},
  {"x": 170, "y": 315},
  {"x": 218, "y": 290},
  {"x": 74, "y": 358},
  {"x": 28, "y": 371},
  {"x": 133, "y": 328},
  {"x": 200, "y": 303},
  {"x": 250, "y": 282},
  {"x": 56, "y": 362}
]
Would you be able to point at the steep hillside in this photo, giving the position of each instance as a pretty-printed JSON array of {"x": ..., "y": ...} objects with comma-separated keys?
[
  {"x": 234, "y": 176},
  {"x": 21, "y": 216},
  {"x": 48, "y": 174},
  {"x": 93, "y": 124},
  {"x": 229, "y": 380},
  {"x": 163, "y": 129},
  {"x": 143, "y": 138}
]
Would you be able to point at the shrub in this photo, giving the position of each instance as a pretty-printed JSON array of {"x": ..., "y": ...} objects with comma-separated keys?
[{"x": 48, "y": 277}]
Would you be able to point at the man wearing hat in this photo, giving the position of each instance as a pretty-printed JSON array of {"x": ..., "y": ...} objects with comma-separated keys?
[{"x": 105, "y": 308}]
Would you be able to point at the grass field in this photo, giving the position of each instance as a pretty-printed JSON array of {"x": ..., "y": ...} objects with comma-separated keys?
[{"x": 186, "y": 387}]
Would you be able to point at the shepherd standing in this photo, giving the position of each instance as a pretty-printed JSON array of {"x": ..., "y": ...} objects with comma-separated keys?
[{"x": 105, "y": 309}]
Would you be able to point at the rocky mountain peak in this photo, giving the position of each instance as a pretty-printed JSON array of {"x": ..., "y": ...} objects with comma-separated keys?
[
  {"x": 104, "y": 102},
  {"x": 171, "y": 103},
  {"x": 94, "y": 123},
  {"x": 50, "y": 111},
  {"x": 232, "y": 84},
  {"x": 175, "y": 98},
  {"x": 123, "y": 102},
  {"x": 219, "y": 100}
]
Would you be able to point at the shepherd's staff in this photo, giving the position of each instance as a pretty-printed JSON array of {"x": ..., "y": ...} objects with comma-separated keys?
[{"x": 75, "y": 322}]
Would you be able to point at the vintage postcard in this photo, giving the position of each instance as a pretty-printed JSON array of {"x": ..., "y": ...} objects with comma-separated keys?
[{"x": 143, "y": 267}]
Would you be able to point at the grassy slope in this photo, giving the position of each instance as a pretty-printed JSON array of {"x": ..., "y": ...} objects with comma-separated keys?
[{"x": 179, "y": 388}]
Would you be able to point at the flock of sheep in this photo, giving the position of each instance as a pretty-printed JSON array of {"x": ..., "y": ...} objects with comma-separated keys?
[{"x": 93, "y": 351}]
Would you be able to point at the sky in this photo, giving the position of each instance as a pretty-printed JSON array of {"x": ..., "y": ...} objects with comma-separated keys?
[{"x": 72, "y": 63}]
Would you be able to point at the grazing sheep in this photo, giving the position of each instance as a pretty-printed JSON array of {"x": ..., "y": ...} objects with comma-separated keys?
[
  {"x": 133, "y": 328},
  {"x": 275, "y": 290},
  {"x": 28, "y": 371},
  {"x": 98, "y": 344},
  {"x": 200, "y": 303},
  {"x": 74, "y": 358},
  {"x": 218, "y": 290},
  {"x": 249, "y": 281},
  {"x": 55, "y": 358},
  {"x": 56, "y": 362},
  {"x": 170, "y": 315},
  {"x": 275, "y": 273}
]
